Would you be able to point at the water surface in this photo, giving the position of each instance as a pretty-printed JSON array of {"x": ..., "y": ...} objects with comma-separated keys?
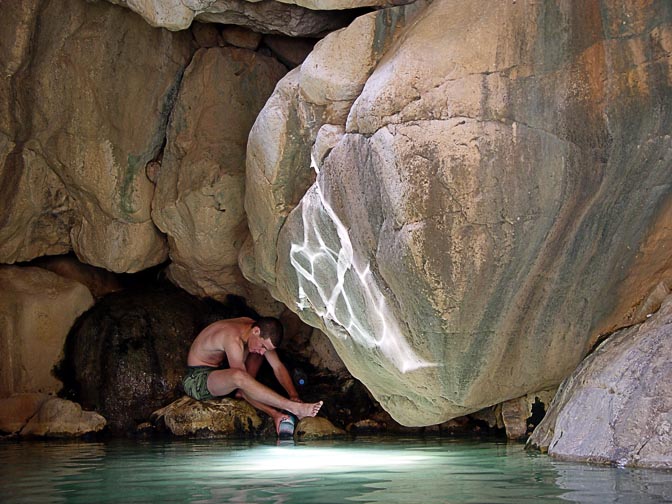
[{"x": 427, "y": 470}]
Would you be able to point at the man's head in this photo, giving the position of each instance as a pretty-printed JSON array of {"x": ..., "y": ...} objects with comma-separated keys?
[{"x": 270, "y": 330}]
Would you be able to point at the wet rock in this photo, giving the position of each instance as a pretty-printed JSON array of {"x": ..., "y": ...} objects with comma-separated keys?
[
  {"x": 317, "y": 428},
  {"x": 617, "y": 407},
  {"x": 213, "y": 418},
  {"x": 491, "y": 416},
  {"x": 17, "y": 409},
  {"x": 517, "y": 414},
  {"x": 62, "y": 419},
  {"x": 37, "y": 310}
]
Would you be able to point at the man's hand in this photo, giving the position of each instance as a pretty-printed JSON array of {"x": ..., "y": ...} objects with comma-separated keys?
[{"x": 295, "y": 399}]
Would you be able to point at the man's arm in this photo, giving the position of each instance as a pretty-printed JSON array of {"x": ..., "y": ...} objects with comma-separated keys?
[
  {"x": 281, "y": 374},
  {"x": 235, "y": 354}
]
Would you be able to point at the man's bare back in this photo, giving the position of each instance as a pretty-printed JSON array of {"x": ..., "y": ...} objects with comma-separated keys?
[{"x": 244, "y": 345}]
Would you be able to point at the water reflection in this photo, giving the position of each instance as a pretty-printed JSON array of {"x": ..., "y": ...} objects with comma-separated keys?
[
  {"x": 605, "y": 485},
  {"x": 366, "y": 470}
]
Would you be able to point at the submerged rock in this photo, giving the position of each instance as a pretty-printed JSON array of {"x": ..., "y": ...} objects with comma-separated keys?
[{"x": 617, "y": 406}]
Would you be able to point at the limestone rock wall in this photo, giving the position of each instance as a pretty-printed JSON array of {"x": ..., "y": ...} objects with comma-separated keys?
[
  {"x": 37, "y": 310},
  {"x": 616, "y": 407},
  {"x": 484, "y": 188},
  {"x": 462, "y": 195},
  {"x": 83, "y": 108},
  {"x": 201, "y": 183},
  {"x": 291, "y": 17}
]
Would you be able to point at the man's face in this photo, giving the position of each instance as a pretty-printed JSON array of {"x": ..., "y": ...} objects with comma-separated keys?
[{"x": 257, "y": 344}]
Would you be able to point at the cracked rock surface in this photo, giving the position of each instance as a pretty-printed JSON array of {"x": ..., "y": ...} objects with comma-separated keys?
[
  {"x": 490, "y": 195},
  {"x": 616, "y": 407}
]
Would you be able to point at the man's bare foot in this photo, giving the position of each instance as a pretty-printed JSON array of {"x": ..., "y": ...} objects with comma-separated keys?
[{"x": 302, "y": 410}]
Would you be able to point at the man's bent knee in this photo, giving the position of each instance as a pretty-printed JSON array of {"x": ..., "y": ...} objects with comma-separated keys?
[{"x": 239, "y": 377}]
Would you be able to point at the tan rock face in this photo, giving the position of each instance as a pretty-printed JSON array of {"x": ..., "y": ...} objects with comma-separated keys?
[
  {"x": 279, "y": 148},
  {"x": 73, "y": 146},
  {"x": 268, "y": 16},
  {"x": 37, "y": 310},
  {"x": 99, "y": 281},
  {"x": 16, "y": 410},
  {"x": 499, "y": 171},
  {"x": 201, "y": 183}
]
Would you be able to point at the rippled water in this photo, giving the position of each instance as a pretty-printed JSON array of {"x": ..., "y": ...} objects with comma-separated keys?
[{"x": 365, "y": 470}]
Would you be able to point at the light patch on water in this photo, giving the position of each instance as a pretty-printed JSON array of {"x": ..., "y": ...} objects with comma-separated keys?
[
  {"x": 322, "y": 459},
  {"x": 378, "y": 328}
]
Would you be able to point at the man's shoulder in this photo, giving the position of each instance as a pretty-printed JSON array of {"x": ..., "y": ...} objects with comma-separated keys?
[{"x": 234, "y": 322}]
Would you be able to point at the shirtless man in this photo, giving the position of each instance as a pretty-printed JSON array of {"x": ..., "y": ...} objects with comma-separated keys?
[{"x": 244, "y": 343}]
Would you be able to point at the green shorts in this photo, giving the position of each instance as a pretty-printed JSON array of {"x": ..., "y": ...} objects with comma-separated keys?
[{"x": 195, "y": 382}]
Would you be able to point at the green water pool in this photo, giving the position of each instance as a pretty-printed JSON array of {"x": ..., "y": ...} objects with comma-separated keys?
[{"x": 398, "y": 470}]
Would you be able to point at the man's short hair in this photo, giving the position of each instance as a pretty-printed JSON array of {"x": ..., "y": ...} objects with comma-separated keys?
[{"x": 270, "y": 328}]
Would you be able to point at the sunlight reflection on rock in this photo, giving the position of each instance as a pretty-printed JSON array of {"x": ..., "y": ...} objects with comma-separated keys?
[{"x": 334, "y": 285}]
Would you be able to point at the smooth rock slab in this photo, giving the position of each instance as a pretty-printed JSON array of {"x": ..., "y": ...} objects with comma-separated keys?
[{"x": 617, "y": 406}]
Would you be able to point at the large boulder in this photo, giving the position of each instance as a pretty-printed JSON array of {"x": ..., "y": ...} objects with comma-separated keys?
[
  {"x": 79, "y": 120},
  {"x": 617, "y": 406},
  {"x": 309, "y": 106},
  {"x": 37, "y": 310},
  {"x": 201, "y": 183},
  {"x": 499, "y": 193}
]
